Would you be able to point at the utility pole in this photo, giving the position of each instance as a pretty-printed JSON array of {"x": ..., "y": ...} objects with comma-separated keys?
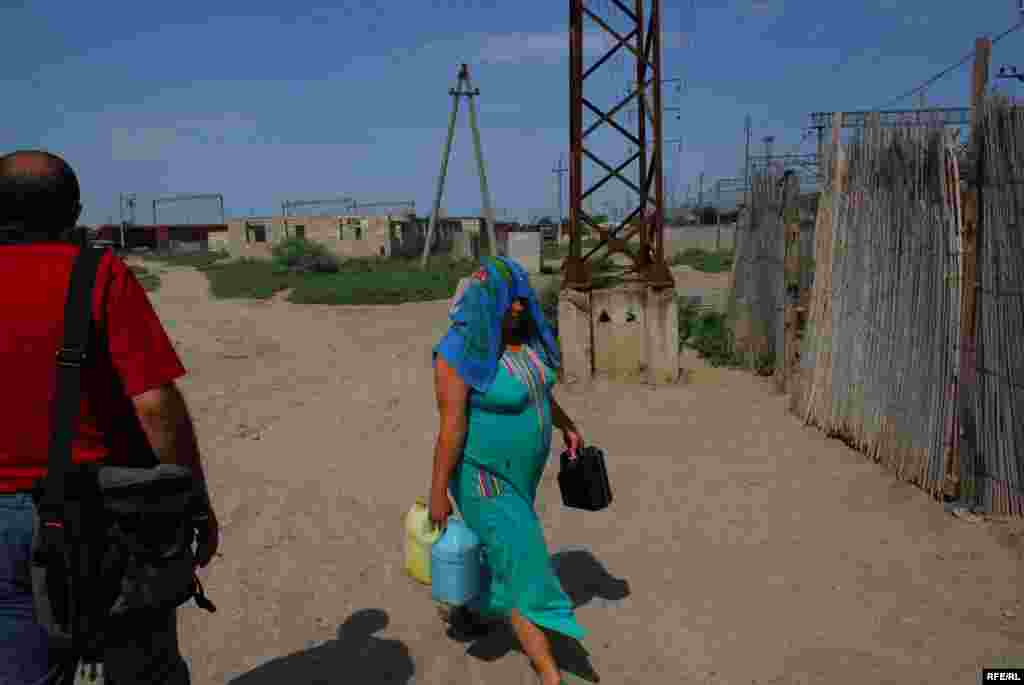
[
  {"x": 969, "y": 291},
  {"x": 559, "y": 172},
  {"x": 469, "y": 92},
  {"x": 700, "y": 191}
]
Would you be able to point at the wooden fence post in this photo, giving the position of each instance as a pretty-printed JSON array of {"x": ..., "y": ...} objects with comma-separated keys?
[
  {"x": 791, "y": 274},
  {"x": 969, "y": 261}
]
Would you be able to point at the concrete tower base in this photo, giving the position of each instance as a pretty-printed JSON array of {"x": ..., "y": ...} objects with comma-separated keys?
[{"x": 629, "y": 332}]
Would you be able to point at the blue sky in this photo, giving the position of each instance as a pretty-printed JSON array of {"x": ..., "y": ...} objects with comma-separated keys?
[{"x": 265, "y": 102}]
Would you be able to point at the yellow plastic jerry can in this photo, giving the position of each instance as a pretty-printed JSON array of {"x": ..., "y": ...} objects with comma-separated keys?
[{"x": 420, "y": 536}]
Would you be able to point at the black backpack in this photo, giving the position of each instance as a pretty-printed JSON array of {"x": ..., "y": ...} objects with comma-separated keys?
[{"x": 108, "y": 540}]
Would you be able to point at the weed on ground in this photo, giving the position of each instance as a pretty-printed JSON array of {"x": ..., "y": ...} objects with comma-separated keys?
[
  {"x": 713, "y": 261},
  {"x": 149, "y": 280}
]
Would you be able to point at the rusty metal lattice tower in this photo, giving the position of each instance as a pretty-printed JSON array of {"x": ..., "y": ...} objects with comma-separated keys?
[{"x": 646, "y": 221}]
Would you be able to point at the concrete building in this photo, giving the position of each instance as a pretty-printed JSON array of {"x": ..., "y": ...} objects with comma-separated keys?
[
  {"x": 474, "y": 241},
  {"x": 344, "y": 235},
  {"x": 179, "y": 238}
]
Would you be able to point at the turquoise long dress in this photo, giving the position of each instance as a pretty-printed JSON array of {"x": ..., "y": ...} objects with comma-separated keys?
[{"x": 495, "y": 487}]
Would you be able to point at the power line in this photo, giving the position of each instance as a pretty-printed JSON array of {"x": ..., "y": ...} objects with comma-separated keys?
[{"x": 947, "y": 70}]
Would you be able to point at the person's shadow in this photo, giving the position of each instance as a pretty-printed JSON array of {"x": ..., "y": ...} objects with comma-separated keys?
[
  {"x": 355, "y": 656},
  {"x": 584, "y": 580}
]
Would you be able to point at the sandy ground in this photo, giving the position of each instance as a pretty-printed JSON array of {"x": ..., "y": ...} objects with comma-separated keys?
[{"x": 741, "y": 547}]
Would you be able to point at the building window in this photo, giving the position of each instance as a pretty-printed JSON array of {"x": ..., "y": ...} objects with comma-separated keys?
[
  {"x": 359, "y": 232},
  {"x": 300, "y": 232},
  {"x": 341, "y": 230},
  {"x": 255, "y": 233}
]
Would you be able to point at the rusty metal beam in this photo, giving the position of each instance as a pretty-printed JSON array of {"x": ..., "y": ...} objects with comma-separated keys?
[
  {"x": 644, "y": 225},
  {"x": 620, "y": 41},
  {"x": 607, "y": 119},
  {"x": 615, "y": 34},
  {"x": 612, "y": 173}
]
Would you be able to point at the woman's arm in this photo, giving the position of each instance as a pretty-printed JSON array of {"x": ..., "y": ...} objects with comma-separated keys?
[
  {"x": 559, "y": 418},
  {"x": 452, "y": 398}
]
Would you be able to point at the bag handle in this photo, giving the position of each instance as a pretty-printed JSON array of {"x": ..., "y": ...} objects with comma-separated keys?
[{"x": 71, "y": 356}]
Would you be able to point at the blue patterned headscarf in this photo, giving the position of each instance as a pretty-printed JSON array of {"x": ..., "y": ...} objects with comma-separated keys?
[{"x": 473, "y": 344}]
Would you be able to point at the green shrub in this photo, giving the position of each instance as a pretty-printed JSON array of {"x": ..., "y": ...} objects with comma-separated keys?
[
  {"x": 688, "y": 312},
  {"x": 714, "y": 261},
  {"x": 299, "y": 255},
  {"x": 708, "y": 333}
]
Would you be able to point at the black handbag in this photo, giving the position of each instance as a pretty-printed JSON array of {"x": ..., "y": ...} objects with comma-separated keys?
[
  {"x": 108, "y": 540},
  {"x": 584, "y": 480}
]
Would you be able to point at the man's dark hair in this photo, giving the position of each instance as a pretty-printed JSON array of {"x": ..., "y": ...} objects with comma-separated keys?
[{"x": 39, "y": 194}]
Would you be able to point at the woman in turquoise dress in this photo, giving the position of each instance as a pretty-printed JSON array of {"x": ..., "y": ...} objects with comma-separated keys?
[{"x": 494, "y": 370}]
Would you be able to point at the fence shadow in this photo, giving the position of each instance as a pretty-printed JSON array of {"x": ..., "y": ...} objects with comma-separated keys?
[
  {"x": 356, "y": 653},
  {"x": 584, "y": 579}
]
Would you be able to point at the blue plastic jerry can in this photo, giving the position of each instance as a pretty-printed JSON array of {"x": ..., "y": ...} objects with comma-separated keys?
[{"x": 455, "y": 565}]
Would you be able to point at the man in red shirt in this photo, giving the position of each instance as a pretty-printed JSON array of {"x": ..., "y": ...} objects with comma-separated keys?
[{"x": 132, "y": 413}]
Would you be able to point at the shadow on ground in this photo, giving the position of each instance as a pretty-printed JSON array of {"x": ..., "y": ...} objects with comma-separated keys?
[
  {"x": 584, "y": 579},
  {"x": 355, "y": 652}
]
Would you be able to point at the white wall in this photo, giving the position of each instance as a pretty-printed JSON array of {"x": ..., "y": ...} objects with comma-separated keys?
[
  {"x": 681, "y": 238},
  {"x": 525, "y": 249}
]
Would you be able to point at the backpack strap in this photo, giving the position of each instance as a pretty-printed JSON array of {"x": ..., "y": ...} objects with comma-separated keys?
[{"x": 71, "y": 356}]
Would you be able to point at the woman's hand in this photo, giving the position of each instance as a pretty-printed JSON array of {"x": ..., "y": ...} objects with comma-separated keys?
[
  {"x": 573, "y": 441},
  {"x": 440, "y": 509}
]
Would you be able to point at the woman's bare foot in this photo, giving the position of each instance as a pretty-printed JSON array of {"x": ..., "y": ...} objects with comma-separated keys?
[{"x": 551, "y": 679}]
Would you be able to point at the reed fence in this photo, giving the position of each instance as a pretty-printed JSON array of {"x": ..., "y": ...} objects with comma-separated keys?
[
  {"x": 758, "y": 284},
  {"x": 886, "y": 340},
  {"x": 911, "y": 351},
  {"x": 992, "y": 450}
]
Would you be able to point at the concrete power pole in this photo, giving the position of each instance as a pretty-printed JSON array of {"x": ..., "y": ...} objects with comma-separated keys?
[
  {"x": 559, "y": 171},
  {"x": 469, "y": 92}
]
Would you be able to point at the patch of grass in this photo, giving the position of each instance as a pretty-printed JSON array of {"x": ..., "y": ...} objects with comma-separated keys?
[
  {"x": 149, "y": 280},
  {"x": 708, "y": 333},
  {"x": 247, "y": 278},
  {"x": 378, "y": 281},
  {"x": 713, "y": 261},
  {"x": 317, "y": 276}
]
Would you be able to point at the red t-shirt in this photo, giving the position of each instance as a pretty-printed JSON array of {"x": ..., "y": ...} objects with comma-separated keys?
[{"x": 129, "y": 353}]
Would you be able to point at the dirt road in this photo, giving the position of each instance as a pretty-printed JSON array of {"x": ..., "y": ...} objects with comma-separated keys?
[{"x": 741, "y": 548}]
